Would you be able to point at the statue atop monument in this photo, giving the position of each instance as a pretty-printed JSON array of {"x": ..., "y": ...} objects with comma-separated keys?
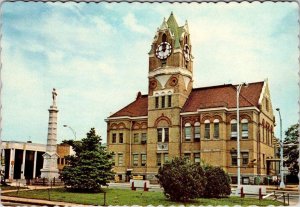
[{"x": 54, "y": 94}]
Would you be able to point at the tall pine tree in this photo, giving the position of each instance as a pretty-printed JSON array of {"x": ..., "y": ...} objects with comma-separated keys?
[{"x": 90, "y": 167}]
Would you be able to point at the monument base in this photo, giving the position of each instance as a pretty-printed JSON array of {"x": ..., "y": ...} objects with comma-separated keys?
[{"x": 49, "y": 174}]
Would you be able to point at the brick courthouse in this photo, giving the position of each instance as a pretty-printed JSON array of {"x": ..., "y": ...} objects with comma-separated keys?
[{"x": 175, "y": 119}]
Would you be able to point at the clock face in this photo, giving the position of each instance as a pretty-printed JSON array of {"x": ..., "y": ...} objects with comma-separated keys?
[
  {"x": 163, "y": 51},
  {"x": 186, "y": 52}
]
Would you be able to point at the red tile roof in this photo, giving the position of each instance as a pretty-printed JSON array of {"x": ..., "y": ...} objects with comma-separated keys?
[
  {"x": 139, "y": 107},
  {"x": 201, "y": 98},
  {"x": 222, "y": 96}
]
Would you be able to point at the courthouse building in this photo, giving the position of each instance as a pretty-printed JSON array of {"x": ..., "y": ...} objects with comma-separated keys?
[{"x": 174, "y": 119}]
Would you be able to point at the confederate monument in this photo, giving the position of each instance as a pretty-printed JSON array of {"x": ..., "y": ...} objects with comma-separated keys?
[{"x": 50, "y": 169}]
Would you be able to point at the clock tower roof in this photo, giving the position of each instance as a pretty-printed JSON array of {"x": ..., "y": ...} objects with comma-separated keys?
[{"x": 175, "y": 29}]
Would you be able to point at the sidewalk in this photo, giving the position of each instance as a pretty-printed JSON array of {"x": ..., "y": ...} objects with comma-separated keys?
[{"x": 38, "y": 201}]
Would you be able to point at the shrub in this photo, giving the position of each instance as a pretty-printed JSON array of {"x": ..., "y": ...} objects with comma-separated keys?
[
  {"x": 218, "y": 182},
  {"x": 182, "y": 180}
]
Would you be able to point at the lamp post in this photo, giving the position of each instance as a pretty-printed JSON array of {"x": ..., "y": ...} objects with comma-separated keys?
[
  {"x": 73, "y": 131},
  {"x": 281, "y": 152},
  {"x": 238, "y": 90}
]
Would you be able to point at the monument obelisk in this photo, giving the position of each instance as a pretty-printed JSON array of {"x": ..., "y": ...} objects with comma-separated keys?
[{"x": 50, "y": 169}]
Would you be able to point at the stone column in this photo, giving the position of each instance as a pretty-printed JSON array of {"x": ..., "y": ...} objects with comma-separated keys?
[
  {"x": 50, "y": 169},
  {"x": 23, "y": 165},
  {"x": 34, "y": 164}
]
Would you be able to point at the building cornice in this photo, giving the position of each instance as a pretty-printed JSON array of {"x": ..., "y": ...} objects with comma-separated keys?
[
  {"x": 170, "y": 71},
  {"x": 125, "y": 117},
  {"x": 219, "y": 109}
]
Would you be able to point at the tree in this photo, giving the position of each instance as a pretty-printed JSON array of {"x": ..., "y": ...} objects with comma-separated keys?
[
  {"x": 182, "y": 180},
  {"x": 290, "y": 149},
  {"x": 218, "y": 182},
  {"x": 90, "y": 167}
]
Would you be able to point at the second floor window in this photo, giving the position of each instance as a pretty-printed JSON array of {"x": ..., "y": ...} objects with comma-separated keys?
[
  {"x": 163, "y": 135},
  {"x": 234, "y": 159},
  {"x": 207, "y": 129},
  {"x": 136, "y": 138},
  {"x": 187, "y": 131},
  {"x": 135, "y": 160},
  {"x": 114, "y": 138},
  {"x": 121, "y": 138},
  {"x": 244, "y": 128},
  {"x": 245, "y": 158},
  {"x": 144, "y": 138},
  {"x": 216, "y": 128},
  {"x": 144, "y": 159},
  {"x": 233, "y": 125},
  {"x": 197, "y": 132}
]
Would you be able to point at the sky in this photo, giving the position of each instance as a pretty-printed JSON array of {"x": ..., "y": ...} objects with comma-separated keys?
[{"x": 96, "y": 56}]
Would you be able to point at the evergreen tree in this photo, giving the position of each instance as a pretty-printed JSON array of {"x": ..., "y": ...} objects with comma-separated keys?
[
  {"x": 290, "y": 149},
  {"x": 90, "y": 167}
]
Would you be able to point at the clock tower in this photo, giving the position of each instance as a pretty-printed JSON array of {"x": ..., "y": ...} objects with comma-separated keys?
[{"x": 170, "y": 83}]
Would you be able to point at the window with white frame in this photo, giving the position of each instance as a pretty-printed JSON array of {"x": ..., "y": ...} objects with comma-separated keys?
[
  {"x": 120, "y": 159},
  {"x": 245, "y": 158},
  {"x": 233, "y": 124},
  {"x": 187, "y": 131},
  {"x": 196, "y": 157},
  {"x": 216, "y": 128},
  {"x": 244, "y": 128},
  {"x": 163, "y": 135},
  {"x": 197, "y": 132},
  {"x": 233, "y": 158},
  {"x": 207, "y": 129},
  {"x": 135, "y": 159},
  {"x": 158, "y": 159},
  {"x": 166, "y": 157},
  {"x": 144, "y": 159}
]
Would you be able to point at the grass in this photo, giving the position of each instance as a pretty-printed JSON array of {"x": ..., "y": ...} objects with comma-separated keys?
[{"x": 127, "y": 197}]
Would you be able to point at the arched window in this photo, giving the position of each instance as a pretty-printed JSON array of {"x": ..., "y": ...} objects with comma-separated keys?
[
  {"x": 233, "y": 124},
  {"x": 245, "y": 129},
  {"x": 164, "y": 38},
  {"x": 207, "y": 129},
  {"x": 187, "y": 131},
  {"x": 197, "y": 132},
  {"x": 216, "y": 128}
]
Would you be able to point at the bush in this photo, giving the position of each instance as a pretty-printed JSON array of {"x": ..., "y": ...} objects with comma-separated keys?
[
  {"x": 182, "y": 180},
  {"x": 218, "y": 183}
]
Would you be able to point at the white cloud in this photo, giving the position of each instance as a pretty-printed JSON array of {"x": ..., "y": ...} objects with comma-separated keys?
[{"x": 131, "y": 22}]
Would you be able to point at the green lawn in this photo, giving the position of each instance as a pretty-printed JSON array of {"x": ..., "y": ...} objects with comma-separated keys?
[{"x": 128, "y": 197}]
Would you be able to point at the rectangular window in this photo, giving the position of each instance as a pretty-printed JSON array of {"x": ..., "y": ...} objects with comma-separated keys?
[
  {"x": 187, "y": 131},
  {"x": 166, "y": 157},
  {"x": 114, "y": 138},
  {"x": 187, "y": 156},
  {"x": 144, "y": 138},
  {"x": 120, "y": 137},
  {"x": 135, "y": 160},
  {"x": 120, "y": 159},
  {"x": 163, "y": 135},
  {"x": 234, "y": 159},
  {"x": 158, "y": 159},
  {"x": 113, "y": 158},
  {"x": 58, "y": 160},
  {"x": 197, "y": 157},
  {"x": 144, "y": 159},
  {"x": 207, "y": 130},
  {"x": 156, "y": 102},
  {"x": 233, "y": 130},
  {"x": 62, "y": 161},
  {"x": 245, "y": 158},
  {"x": 197, "y": 134},
  {"x": 163, "y": 102},
  {"x": 216, "y": 130},
  {"x": 169, "y": 100},
  {"x": 166, "y": 135},
  {"x": 244, "y": 130},
  {"x": 159, "y": 135},
  {"x": 136, "y": 138}
]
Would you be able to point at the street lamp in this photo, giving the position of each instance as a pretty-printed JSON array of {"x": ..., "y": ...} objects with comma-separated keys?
[
  {"x": 238, "y": 90},
  {"x": 281, "y": 152},
  {"x": 73, "y": 131}
]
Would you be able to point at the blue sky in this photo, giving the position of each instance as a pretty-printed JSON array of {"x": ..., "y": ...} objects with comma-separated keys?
[{"x": 95, "y": 55}]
